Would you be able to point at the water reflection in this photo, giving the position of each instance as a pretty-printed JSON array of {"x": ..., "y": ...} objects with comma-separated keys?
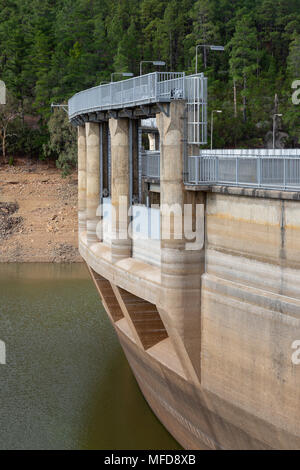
[{"x": 66, "y": 384}]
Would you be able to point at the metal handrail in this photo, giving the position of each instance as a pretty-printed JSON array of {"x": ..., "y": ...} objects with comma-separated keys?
[
  {"x": 153, "y": 87},
  {"x": 256, "y": 171},
  {"x": 151, "y": 164}
]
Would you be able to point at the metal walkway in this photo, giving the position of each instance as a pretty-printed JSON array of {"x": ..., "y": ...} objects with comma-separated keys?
[
  {"x": 153, "y": 88},
  {"x": 258, "y": 168}
]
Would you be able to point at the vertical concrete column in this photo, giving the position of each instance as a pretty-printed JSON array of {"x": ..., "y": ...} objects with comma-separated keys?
[
  {"x": 105, "y": 168},
  {"x": 152, "y": 141},
  {"x": 81, "y": 179},
  {"x": 120, "y": 240},
  {"x": 93, "y": 179},
  {"x": 181, "y": 263}
]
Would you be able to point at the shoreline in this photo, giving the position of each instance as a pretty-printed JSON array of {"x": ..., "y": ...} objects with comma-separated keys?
[{"x": 38, "y": 215}]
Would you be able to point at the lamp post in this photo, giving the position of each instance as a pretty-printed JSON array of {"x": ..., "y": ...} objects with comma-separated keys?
[
  {"x": 123, "y": 74},
  {"x": 212, "y": 126},
  {"x": 274, "y": 127},
  {"x": 160, "y": 63},
  {"x": 2, "y": 92},
  {"x": 65, "y": 107},
  {"x": 206, "y": 46}
]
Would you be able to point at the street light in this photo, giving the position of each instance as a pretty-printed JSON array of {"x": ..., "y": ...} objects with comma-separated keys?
[
  {"x": 65, "y": 107},
  {"x": 160, "y": 63},
  {"x": 274, "y": 127},
  {"x": 212, "y": 126},
  {"x": 123, "y": 74},
  {"x": 2, "y": 92},
  {"x": 207, "y": 46}
]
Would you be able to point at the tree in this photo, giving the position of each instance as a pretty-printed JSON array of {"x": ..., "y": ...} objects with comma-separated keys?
[
  {"x": 243, "y": 56},
  {"x": 9, "y": 112},
  {"x": 204, "y": 29},
  {"x": 293, "y": 61},
  {"x": 62, "y": 142}
]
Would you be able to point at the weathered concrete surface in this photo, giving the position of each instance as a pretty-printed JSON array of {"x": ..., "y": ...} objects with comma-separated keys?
[
  {"x": 248, "y": 396},
  {"x": 198, "y": 417},
  {"x": 223, "y": 375},
  {"x": 93, "y": 179},
  {"x": 81, "y": 179},
  {"x": 251, "y": 307},
  {"x": 181, "y": 269},
  {"x": 120, "y": 241}
]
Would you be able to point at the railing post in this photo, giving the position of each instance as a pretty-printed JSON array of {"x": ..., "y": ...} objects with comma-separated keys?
[
  {"x": 237, "y": 170},
  {"x": 258, "y": 166},
  {"x": 197, "y": 163},
  {"x": 284, "y": 172}
]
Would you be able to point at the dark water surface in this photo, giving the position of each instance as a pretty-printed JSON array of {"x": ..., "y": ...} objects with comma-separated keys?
[{"x": 66, "y": 384}]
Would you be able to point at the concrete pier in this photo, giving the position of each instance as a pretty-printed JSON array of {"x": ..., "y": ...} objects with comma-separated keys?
[
  {"x": 181, "y": 268},
  {"x": 120, "y": 241},
  {"x": 93, "y": 179},
  {"x": 81, "y": 179}
]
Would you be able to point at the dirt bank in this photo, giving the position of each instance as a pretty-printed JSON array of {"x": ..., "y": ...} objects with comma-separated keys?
[{"x": 38, "y": 215}]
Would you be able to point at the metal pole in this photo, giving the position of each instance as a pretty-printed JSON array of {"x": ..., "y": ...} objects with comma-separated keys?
[
  {"x": 204, "y": 46},
  {"x": 101, "y": 163},
  {"x": 211, "y": 130},
  {"x": 274, "y": 128},
  {"x": 130, "y": 161}
]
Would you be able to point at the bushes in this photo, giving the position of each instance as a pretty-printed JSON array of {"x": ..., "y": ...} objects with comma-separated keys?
[{"x": 62, "y": 144}]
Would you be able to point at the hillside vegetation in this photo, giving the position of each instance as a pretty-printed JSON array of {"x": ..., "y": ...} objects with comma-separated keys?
[{"x": 50, "y": 49}]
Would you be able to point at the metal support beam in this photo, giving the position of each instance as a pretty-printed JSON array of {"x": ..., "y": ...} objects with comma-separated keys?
[
  {"x": 128, "y": 113},
  {"x": 164, "y": 108},
  {"x": 113, "y": 114}
]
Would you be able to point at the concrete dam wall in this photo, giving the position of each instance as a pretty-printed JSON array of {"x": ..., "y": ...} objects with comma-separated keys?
[
  {"x": 250, "y": 308},
  {"x": 211, "y": 330}
]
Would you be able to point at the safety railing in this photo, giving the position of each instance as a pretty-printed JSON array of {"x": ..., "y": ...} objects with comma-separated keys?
[
  {"x": 151, "y": 164},
  {"x": 259, "y": 170},
  {"x": 153, "y": 87},
  {"x": 196, "y": 96}
]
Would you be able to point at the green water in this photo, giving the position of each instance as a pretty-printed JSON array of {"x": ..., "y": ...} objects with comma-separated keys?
[{"x": 66, "y": 383}]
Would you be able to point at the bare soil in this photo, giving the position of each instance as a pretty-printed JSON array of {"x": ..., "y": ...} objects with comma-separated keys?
[{"x": 38, "y": 215}]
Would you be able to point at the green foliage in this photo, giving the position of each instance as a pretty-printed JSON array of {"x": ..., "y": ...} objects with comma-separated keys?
[
  {"x": 62, "y": 142},
  {"x": 50, "y": 49}
]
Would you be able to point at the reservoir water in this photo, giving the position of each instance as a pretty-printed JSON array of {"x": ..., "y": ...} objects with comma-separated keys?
[{"x": 66, "y": 383}]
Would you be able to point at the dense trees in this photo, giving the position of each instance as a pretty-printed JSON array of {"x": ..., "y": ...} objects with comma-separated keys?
[{"x": 50, "y": 49}]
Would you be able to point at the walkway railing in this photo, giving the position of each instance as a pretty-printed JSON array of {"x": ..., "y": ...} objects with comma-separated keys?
[
  {"x": 157, "y": 87},
  {"x": 151, "y": 164},
  {"x": 150, "y": 88},
  {"x": 257, "y": 169}
]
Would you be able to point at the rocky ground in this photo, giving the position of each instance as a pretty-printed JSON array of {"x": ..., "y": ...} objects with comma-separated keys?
[{"x": 38, "y": 214}]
